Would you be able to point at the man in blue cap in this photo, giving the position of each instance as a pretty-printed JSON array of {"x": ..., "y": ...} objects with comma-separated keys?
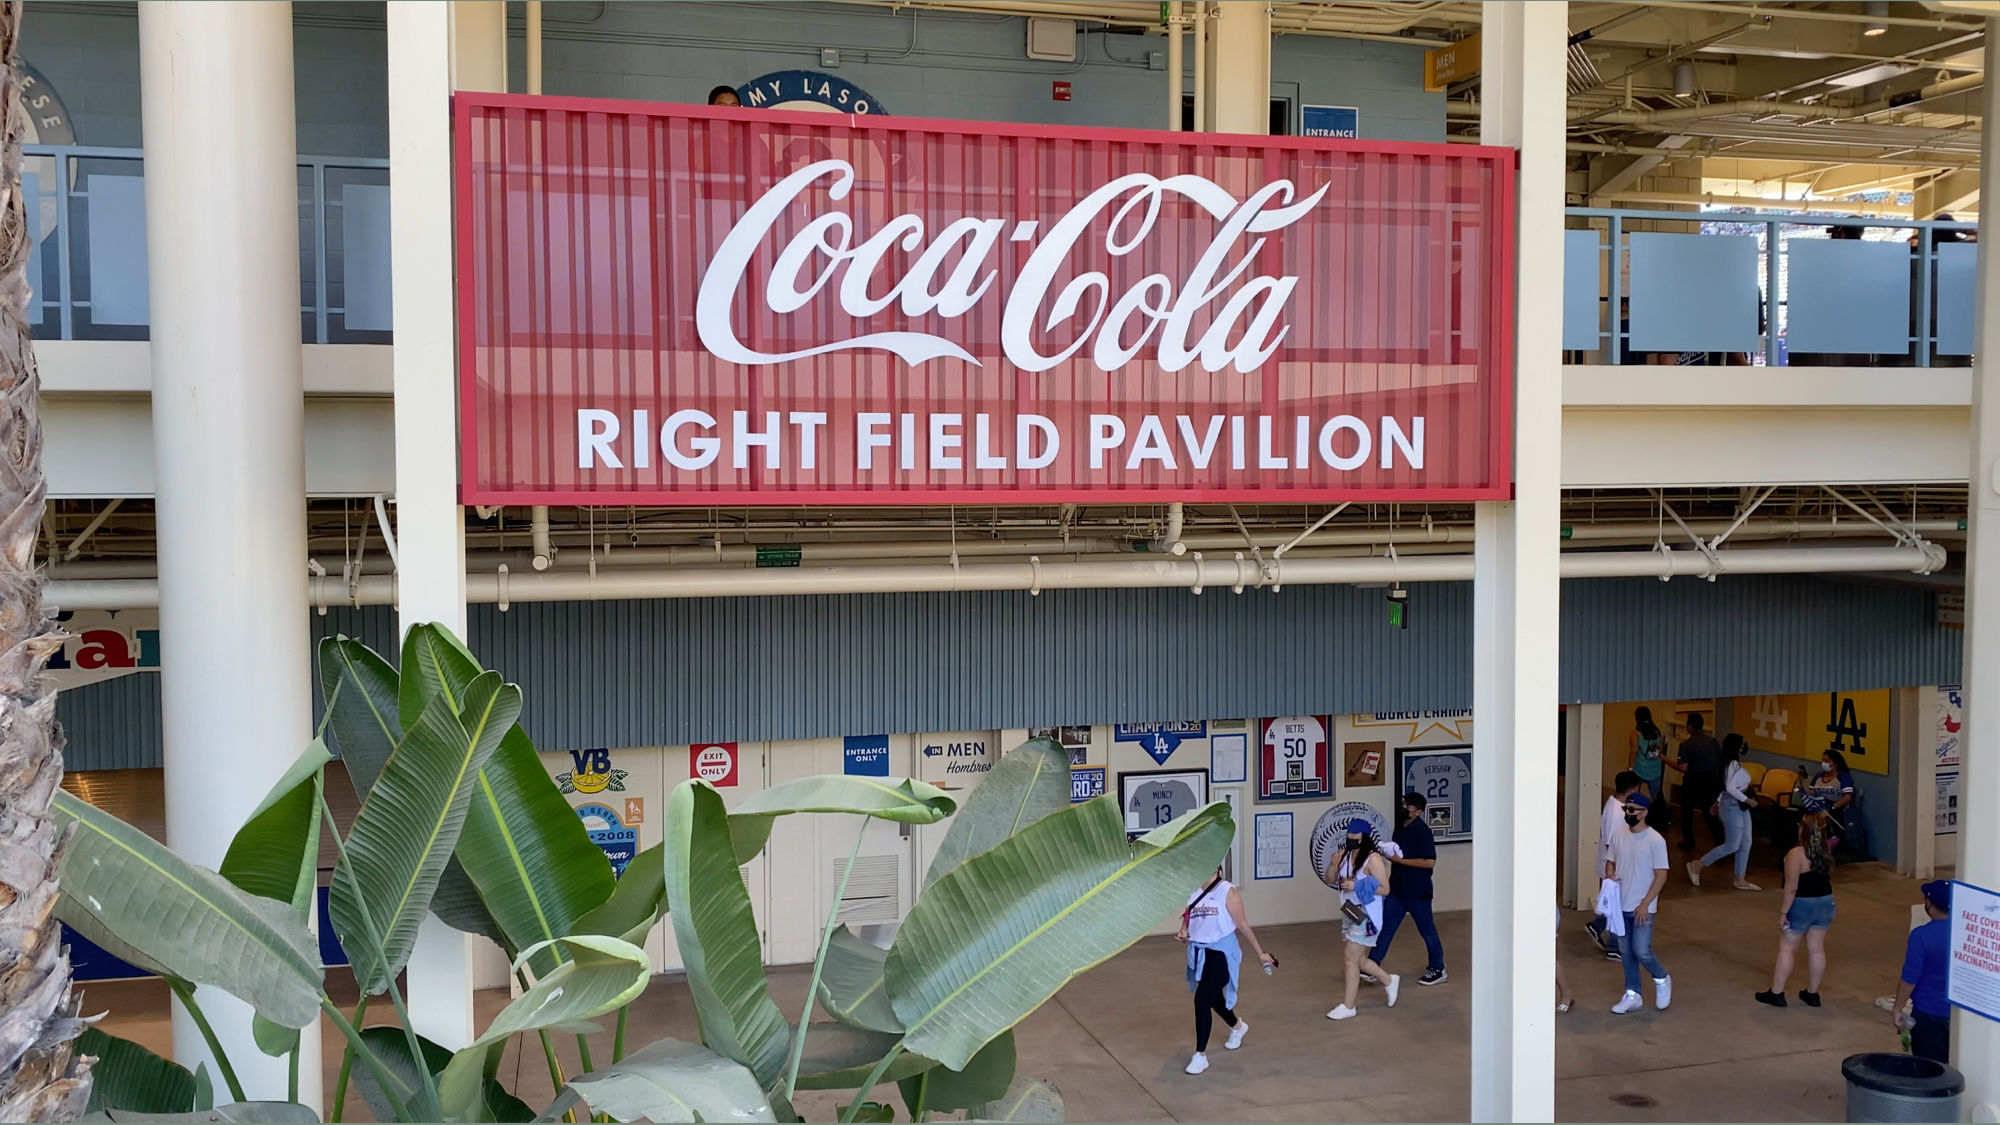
[{"x": 1926, "y": 975}]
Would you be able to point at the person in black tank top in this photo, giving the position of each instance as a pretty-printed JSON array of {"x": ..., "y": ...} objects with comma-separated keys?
[{"x": 1807, "y": 912}]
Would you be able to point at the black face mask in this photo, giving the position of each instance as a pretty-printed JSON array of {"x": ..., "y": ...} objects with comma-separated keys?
[{"x": 1632, "y": 819}]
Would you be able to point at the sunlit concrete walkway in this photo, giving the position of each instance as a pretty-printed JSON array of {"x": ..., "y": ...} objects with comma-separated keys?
[{"x": 1116, "y": 1039}]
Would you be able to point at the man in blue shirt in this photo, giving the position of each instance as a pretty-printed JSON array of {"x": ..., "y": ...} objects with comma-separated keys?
[
  {"x": 1410, "y": 887},
  {"x": 1926, "y": 975}
]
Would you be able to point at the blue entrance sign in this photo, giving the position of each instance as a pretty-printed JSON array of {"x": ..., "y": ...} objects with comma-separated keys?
[
  {"x": 865, "y": 755},
  {"x": 1329, "y": 121},
  {"x": 1159, "y": 739},
  {"x": 1086, "y": 783}
]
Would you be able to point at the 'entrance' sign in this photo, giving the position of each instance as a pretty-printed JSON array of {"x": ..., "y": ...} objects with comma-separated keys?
[{"x": 699, "y": 305}]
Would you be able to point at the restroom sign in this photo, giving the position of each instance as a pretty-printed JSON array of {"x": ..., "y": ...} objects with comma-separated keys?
[{"x": 713, "y": 762}]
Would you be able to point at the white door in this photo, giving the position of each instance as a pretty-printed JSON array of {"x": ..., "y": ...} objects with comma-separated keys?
[
  {"x": 809, "y": 853},
  {"x": 750, "y": 774}
]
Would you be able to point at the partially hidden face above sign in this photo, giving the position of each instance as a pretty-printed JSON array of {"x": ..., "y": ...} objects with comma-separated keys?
[{"x": 694, "y": 305}]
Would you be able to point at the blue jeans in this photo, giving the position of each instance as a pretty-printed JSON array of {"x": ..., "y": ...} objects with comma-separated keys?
[
  {"x": 1735, "y": 836},
  {"x": 1635, "y": 948},
  {"x": 1419, "y": 910}
]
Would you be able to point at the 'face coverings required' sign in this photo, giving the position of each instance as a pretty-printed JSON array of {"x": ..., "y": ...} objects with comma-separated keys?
[{"x": 697, "y": 305}]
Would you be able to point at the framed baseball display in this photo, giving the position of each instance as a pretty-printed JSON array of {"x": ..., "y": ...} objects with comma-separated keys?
[
  {"x": 1155, "y": 797},
  {"x": 1295, "y": 758}
]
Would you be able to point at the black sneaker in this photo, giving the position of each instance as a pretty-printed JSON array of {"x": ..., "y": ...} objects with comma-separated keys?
[
  {"x": 1809, "y": 999},
  {"x": 1774, "y": 999},
  {"x": 1434, "y": 976},
  {"x": 1596, "y": 933},
  {"x": 1613, "y": 955}
]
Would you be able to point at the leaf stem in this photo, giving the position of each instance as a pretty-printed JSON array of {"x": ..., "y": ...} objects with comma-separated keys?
[
  {"x": 874, "y": 1079},
  {"x": 379, "y": 961},
  {"x": 618, "y": 1036},
  {"x": 583, "y": 1052},
  {"x": 185, "y": 993},
  {"x": 347, "y": 1064},
  {"x": 819, "y": 963},
  {"x": 383, "y": 1078},
  {"x": 292, "y": 1075},
  {"x": 923, "y": 1096}
]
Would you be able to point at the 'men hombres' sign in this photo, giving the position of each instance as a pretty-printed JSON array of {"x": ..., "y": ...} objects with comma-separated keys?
[{"x": 697, "y": 305}]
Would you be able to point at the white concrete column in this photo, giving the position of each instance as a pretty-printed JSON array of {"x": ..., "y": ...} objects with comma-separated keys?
[
  {"x": 1516, "y": 599},
  {"x": 1238, "y": 47},
  {"x": 222, "y": 220},
  {"x": 1583, "y": 788},
  {"x": 1975, "y": 1047},
  {"x": 430, "y": 525},
  {"x": 1913, "y": 734}
]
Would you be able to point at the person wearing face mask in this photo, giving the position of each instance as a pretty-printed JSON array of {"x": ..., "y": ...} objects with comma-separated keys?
[
  {"x": 1831, "y": 792},
  {"x": 1638, "y": 863},
  {"x": 1734, "y": 805},
  {"x": 1410, "y": 887},
  {"x": 1360, "y": 873}
]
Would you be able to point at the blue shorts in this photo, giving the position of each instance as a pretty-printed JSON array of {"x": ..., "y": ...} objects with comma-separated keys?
[{"x": 1809, "y": 914}]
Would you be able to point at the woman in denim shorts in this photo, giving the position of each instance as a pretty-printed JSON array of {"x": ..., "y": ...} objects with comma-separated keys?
[{"x": 1807, "y": 912}]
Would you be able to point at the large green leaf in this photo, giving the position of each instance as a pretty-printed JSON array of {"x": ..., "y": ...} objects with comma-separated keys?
[
  {"x": 266, "y": 1113},
  {"x": 527, "y": 852},
  {"x": 526, "y": 856},
  {"x": 985, "y": 1078},
  {"x": 276, "y": 852},
  {"x": 391, "y": 1046},
  {"x": 458, "y": 905},
  {"x": 409, "y": 824},
  {"x": 674, "y": 1081},
  {"x": 1029, "y": 782},
  {"x": 1028, "y": 1099},
  {"x": 839, "y": 1057},
  {"x": 904, "y": 800},
  {"x": 600, "y": 975},
  {"x": 850, "y": 984},
  {"x": 637, "y": 903},
  {"x": 130, "y": 1077},
  {"x": 717, "y": 934},
  {"x": 994, "y": 939},
  {"x": 189, "y": 921},
  {"x": 360, "y": 689}
]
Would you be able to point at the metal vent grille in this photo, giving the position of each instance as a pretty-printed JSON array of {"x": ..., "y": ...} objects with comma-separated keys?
[{"x": 874, "y": 892}]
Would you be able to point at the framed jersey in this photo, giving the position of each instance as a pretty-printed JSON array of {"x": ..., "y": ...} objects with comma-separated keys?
[
  {"x": 1295, "y": 759},
  {"x": 1155, "y": 797}
]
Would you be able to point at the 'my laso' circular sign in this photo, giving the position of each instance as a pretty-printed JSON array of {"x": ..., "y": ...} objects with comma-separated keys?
[
  {"x": 807, "y": 90},
  {"x": 1331, "y": 830}
]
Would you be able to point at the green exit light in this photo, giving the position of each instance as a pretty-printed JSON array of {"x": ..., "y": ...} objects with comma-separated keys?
[{"x": 1399, "y": 614}]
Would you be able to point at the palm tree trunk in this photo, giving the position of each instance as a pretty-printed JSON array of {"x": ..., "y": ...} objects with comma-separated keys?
[{"x": 41, "y": 1078}]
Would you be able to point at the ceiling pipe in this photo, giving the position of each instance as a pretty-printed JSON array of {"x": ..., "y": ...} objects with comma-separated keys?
[
  {"x": 1170, "y": 541},
  {"x": 1835, "y": 15},
  {"x": 1884, "y": 209},
  {"x": 1234, "y": 571},
  {"x": 538, "y": 532},
  {"x": 1949, "y": 86}
]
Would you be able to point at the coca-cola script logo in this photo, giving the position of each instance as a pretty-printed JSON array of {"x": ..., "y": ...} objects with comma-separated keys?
[{"x": 1242, "y": 333}]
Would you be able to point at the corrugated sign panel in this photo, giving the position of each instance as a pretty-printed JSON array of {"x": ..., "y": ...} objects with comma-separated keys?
[
  {"x": 691, "y": 305},
  {"x": 749, "y": 669}
]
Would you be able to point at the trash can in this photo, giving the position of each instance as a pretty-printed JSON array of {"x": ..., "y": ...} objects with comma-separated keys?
[{"x": 1886, "y": 1087}]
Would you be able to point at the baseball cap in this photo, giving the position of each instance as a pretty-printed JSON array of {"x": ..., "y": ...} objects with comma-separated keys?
[
  {"x": 1359, "y": 826},
  {"x": 1641, "y": 800},
  {"x": 1938, "y": 892}
]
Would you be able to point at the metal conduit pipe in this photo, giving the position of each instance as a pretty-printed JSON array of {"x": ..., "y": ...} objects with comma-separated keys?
[
  {"x": 1170, "y": 542},
  {"x": 538, "y": 530},
  {"x": 1606, "y": 532},
  {"x": 1949, "y": 86},
  {"x": 1196, "y": 573}
]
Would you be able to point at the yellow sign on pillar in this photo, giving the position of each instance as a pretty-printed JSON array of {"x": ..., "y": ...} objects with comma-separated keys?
[
  {"x": 1447, "y": 65},
  {"x": 1856, "y": 723}
]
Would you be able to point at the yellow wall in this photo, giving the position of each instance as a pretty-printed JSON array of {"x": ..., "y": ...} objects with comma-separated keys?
[
  {"x": 1801, "y": 726},
  {"x": 1670, "y": 715}
]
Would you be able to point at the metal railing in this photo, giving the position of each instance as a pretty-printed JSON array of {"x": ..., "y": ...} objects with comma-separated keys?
[
  {"x": 1616, "y": 296},
  {"x": 88, "y": 268}
]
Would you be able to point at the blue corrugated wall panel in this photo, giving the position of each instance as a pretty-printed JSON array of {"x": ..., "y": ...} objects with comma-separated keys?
[{"x": 751, "y": 669}]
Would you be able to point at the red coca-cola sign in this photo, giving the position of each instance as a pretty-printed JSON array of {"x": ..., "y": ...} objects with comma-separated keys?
[{"x": 703, "y": 305}]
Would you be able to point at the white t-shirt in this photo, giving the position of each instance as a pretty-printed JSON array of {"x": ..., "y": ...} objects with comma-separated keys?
[
  {"x": 1609, "y": 827},
  {"x": 1208, "y": 919},
  {"x": 1638, "y": 855}
]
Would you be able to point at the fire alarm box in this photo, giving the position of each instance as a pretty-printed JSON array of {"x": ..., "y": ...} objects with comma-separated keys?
[{"x": 1062, "y": 91}]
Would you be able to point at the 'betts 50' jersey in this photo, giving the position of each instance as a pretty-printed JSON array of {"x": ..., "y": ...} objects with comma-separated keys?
[{"x": 1296, "y": 761}]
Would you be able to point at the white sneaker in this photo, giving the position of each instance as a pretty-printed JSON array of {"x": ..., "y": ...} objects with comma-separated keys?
[
  {"x": 1198, "y": 1063},
  {"x": 1746, "y": 885},
  {"x": 1395, "y": 986},
  {"x": 1343, "y": 1012},
  {"x": 1694, "y": 872},
  {"x": 1236, "y": 1035},
  {"x": 1630, "y": 1002},
  {"x": 1663, "y": 992}
]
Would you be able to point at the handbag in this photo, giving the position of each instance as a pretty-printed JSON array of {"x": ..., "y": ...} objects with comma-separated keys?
[{"x": 1354, "y": 912}]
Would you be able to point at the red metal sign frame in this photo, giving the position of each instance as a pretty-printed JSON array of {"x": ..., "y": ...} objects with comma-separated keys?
[{"x": 1489, "y": 464}]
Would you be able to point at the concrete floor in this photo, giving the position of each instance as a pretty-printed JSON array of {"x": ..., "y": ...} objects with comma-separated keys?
[{"x": 1116, "y": 1039}]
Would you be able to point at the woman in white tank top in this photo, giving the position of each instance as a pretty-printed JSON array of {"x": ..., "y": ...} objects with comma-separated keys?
[{"x": 1209, "y": 925}]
